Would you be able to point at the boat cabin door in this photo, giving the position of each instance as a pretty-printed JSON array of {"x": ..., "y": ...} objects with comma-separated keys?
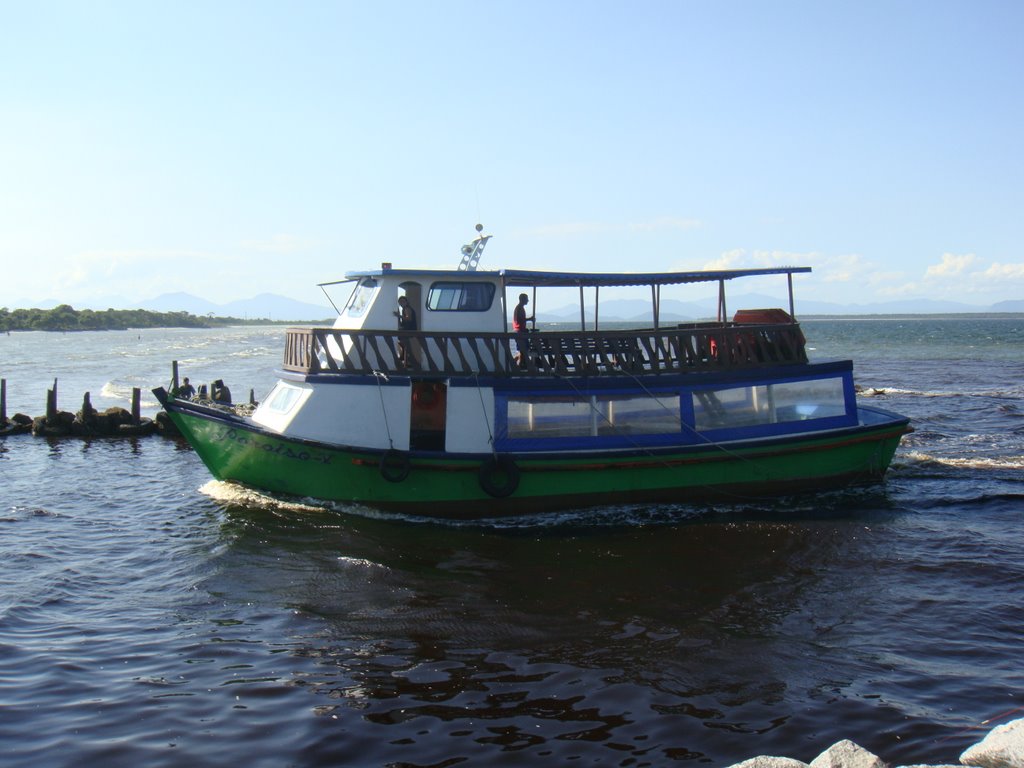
[{"x": 427, "y": 415}]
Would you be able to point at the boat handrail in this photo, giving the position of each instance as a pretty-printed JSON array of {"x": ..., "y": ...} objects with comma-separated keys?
[{"x": 441, "y": 354}]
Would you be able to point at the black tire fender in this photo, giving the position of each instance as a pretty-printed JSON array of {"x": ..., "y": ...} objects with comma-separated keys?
[
  {"x": 394, "y": 465},
  {"x": 499, "y": 476}
]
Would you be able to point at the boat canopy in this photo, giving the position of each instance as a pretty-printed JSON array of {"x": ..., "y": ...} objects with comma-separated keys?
[
  {"x": 541, "y": 279},
  {"x": 528, "y": 278}
]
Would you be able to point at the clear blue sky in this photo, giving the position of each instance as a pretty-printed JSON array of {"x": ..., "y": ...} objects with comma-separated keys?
[{"x": 228, "y": 149}]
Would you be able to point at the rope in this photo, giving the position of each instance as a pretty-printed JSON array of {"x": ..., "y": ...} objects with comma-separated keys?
[
  {"x": 383, "y": 408},
  {"x": 483, "y": 409}
]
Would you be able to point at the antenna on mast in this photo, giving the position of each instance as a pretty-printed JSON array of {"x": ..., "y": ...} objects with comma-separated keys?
[{"x": 471, "y": 252}]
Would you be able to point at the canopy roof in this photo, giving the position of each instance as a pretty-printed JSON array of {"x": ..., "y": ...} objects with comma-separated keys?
[
  {"x": 520, "y": 277},
  {"x": 527, "y": 278}
]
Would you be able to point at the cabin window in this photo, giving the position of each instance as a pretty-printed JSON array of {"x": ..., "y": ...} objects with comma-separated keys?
[
  {"x": 460, "y": 297},
  {"x": 792, "y": 401},
  {"x": 361, "y": 297},
  {"x": 283, "y": 398},
  {"x": 592, "y": 416}
]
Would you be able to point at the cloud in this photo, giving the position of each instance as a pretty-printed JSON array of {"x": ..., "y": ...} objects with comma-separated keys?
[
  {"x": 950, "y": 265},
  {"x": 737, "y": 258},
  {"x": 843, "y": 268},
  {"x": 834, "y": 268},
  {"x": 997, "y": 272},
  {"x": 953, "y": 278}
]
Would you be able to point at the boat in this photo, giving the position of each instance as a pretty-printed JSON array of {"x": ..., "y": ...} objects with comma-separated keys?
[{"x": 458, "y": 415}]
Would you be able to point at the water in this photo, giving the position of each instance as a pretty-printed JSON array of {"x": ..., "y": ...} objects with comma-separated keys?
[{"x": 151, "y": 616}]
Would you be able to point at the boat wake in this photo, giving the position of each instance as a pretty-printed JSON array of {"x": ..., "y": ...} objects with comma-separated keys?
[
  {"x": 239, "y": 495},
  {"x": 916, "y": 458}
]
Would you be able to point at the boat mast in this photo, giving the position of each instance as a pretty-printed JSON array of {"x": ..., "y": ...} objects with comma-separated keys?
[{"x": 471, "y": 252}]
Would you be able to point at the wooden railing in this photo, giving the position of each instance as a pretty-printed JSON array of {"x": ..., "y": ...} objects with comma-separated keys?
[{"x": 696, "y": 347}]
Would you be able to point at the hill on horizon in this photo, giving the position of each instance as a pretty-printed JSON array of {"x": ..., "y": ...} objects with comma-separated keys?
[{"x": 266, "y": 306}]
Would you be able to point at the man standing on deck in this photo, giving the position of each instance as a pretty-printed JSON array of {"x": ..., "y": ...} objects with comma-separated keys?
[
  {"x": 406, "y": 322},
  {"x": 519, "y": 321}
]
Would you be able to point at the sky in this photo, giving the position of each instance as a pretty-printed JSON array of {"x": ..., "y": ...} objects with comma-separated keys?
[{"x": 228, "y": 149}]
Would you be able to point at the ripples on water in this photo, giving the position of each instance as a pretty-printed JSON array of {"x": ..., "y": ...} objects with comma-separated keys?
[{"x": 152, "y": 616}]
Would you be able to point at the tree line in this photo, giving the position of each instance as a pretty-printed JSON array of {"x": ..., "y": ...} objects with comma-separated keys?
[{"x": 66, "y": 318}]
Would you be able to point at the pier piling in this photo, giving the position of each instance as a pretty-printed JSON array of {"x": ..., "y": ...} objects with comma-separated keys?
[
  {"x": 88, "y": 422},
  {"x": 51, "y": 404}
]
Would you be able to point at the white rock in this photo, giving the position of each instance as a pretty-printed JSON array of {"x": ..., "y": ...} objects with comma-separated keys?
[
  {"x": 764, "y": 761},
  {"x": 1002, "y": 748},
  {"x": 846, "y": 754}
]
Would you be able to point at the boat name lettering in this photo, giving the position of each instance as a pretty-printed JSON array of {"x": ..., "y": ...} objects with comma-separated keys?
[{"x": 280, "y": 449}]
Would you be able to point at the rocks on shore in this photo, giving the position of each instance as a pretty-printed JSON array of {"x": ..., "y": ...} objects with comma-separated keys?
[{"x": 1003, "y": 747}]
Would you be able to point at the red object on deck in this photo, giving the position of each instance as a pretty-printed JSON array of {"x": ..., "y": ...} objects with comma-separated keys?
[{"x": 762, "y": 316}]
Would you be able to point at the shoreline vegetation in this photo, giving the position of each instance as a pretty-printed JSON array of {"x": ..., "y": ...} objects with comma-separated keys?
[{"x": 64, "y": 318}]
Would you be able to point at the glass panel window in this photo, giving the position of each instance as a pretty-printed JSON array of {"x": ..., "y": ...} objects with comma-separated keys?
[
  {"x": 283, "y": 398},
  {"x": 768, "y": 403},
  {"x": 361, "y": 297},
  {"x": 460, "y": 297},
  {"x": 597, "y": 415}
]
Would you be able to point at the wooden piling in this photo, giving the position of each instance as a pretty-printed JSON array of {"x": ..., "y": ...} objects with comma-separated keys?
[
  {"x": 136, "y": 409},
  {"x": 174, "y": 376},
  {"x": 3, "y": 402},
  {"x": 51, "y": 403}
]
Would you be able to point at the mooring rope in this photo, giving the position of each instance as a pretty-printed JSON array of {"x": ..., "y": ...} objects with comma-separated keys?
[
  {"x": 483, "y": 409},
  {"x": 383, "y": 408}
]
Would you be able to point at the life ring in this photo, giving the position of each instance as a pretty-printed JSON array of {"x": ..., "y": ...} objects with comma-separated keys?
[
  {"x": 499, "y": 476},
  {"x": 425, "y": 397},
  {"x": 394, "y": 465}
]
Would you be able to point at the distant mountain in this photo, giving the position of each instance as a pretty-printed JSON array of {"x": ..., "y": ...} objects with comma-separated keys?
[
  {"x": 266, "y": 306},
  {"x": 178, "y": 302},
  {"x": 900, "y": 307},
  {"x": 1015, "y": 305}
]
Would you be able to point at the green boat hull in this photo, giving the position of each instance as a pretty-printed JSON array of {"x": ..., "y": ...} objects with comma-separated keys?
[{"x": 463, "y": 486}]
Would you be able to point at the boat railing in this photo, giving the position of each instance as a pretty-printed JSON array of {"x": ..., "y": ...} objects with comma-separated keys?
[{"x": 685, "y": 348}]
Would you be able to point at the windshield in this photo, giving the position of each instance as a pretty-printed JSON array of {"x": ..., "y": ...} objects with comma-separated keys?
[{"x": 361, "y": 297}]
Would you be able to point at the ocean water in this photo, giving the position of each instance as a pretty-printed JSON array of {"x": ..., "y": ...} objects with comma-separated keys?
[{"x": 151, "y": 616}]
